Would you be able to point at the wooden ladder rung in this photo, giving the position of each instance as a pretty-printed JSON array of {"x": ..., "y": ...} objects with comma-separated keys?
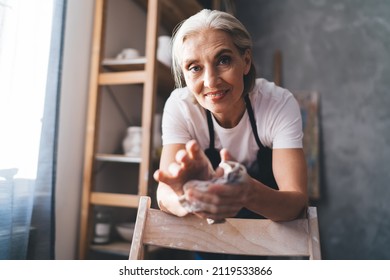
[
  {"x": 121, "y": 78},
  {"x": 115, "y": 199}
]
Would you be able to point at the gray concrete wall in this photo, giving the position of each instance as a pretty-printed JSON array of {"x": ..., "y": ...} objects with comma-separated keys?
[{"x": 342, "y": 50}]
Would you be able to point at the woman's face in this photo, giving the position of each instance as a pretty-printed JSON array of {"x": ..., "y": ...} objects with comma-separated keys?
[{"x": 214, "y": 69}]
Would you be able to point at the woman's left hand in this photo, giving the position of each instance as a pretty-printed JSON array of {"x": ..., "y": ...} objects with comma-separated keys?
[{"x": 220, "y": 200}]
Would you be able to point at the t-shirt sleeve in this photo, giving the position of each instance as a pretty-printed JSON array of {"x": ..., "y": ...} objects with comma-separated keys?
[
  {"x": 287, "y": 132},
  {"x": 174, "y": 123}
]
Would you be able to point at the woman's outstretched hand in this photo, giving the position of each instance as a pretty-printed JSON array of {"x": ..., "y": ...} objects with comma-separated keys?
[{"x": 190, "y": 163}]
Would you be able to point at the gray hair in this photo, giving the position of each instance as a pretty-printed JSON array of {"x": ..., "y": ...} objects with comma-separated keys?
[{"x": 211, "y": 19}]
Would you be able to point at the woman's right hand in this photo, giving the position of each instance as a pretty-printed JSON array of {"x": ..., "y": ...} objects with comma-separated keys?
[{"x": 186, "y": 164}]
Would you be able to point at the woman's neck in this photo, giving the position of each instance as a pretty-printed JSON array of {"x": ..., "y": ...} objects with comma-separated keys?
[{"x": 231, "y": 118}]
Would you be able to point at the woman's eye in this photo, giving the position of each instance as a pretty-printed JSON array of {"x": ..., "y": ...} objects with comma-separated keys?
[
  {"x": 224, "y": 60},
  {"x": 194, "y": 69}
]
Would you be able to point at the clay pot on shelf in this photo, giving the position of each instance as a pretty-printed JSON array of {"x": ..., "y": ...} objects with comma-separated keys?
[{"x": 132, "y": 143}]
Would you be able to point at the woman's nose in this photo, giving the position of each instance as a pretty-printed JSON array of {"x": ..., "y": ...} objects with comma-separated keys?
[{"x": 210, "y": 78}]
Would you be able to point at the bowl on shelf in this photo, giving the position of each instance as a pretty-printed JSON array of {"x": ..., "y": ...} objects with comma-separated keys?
[{"x": 125, "y": 230}]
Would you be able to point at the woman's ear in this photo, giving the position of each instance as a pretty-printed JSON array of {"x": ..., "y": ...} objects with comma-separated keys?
[{"x": 247, "y": 61}]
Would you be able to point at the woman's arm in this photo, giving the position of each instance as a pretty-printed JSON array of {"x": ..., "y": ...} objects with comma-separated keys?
[{"x": 289, "y": 167}]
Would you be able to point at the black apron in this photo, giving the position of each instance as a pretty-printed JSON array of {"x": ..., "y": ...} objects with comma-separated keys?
[{"x": 260, "y": 169}]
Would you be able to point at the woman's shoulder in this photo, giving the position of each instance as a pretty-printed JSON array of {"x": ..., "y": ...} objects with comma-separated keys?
[
  {"x": 178, "y": 98},
  {"x": 272, "y": 99},
  {"x": 265, "y": 89},
  {"x": 182, "y": 100},
  {"x": 181, "y": 94}
]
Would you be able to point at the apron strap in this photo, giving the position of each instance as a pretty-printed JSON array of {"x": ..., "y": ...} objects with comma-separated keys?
[
  {"x": 211, "y": 153},
  {"x": 252, "y": 120},
  {"x": 211, "y": 129}
]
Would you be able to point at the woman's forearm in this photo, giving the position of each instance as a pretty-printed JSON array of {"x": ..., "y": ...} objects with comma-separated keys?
[{"x": 275, "y": 204}]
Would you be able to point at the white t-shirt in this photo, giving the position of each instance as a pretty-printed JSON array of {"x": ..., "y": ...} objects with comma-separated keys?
[{"x": 277, "y": 115}]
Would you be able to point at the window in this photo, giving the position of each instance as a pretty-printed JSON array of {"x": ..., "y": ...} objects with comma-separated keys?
[
  {"x": 24, "y": 56},
  {"x": 30, "y": 36}
]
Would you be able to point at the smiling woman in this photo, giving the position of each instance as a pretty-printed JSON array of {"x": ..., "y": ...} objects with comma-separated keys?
[
  {"x": 30, "y": 48},
  {"x": 235, "y": 117}
]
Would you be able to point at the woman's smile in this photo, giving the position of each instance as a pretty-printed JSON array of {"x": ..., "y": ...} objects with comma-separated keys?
[{"x": 216, "y": 95}]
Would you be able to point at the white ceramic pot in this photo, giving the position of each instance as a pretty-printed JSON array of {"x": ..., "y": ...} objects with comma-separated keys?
[
  {"x": 164, "y": 50},
  {"x": 132, "y": 143},
  {"x": 128, "y": 53}
]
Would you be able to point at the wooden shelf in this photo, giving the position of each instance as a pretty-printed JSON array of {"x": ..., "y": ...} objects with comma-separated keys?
[
  {"x": 174, "y": 11},
  {"x": 122, "y": 78},
  {"x": 133, "y": 72},
  {"x": 117, "y": 158},
  {"x": 114, "y": 199},
  {"x": 124, "y": 64}
]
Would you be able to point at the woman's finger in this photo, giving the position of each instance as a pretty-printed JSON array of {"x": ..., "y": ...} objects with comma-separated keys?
[
  {"x": 174, "y": 169},
  {"x": 219, "y": 200},
  {"x": 217, "y": 213},
  {"x": 181, "y": 156},
  {"x": 193, "y": 150},
  {"x": 226, "y": 156}
]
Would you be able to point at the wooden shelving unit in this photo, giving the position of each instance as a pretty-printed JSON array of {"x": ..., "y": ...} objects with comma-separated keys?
[{"x": 152, "y": 76}]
